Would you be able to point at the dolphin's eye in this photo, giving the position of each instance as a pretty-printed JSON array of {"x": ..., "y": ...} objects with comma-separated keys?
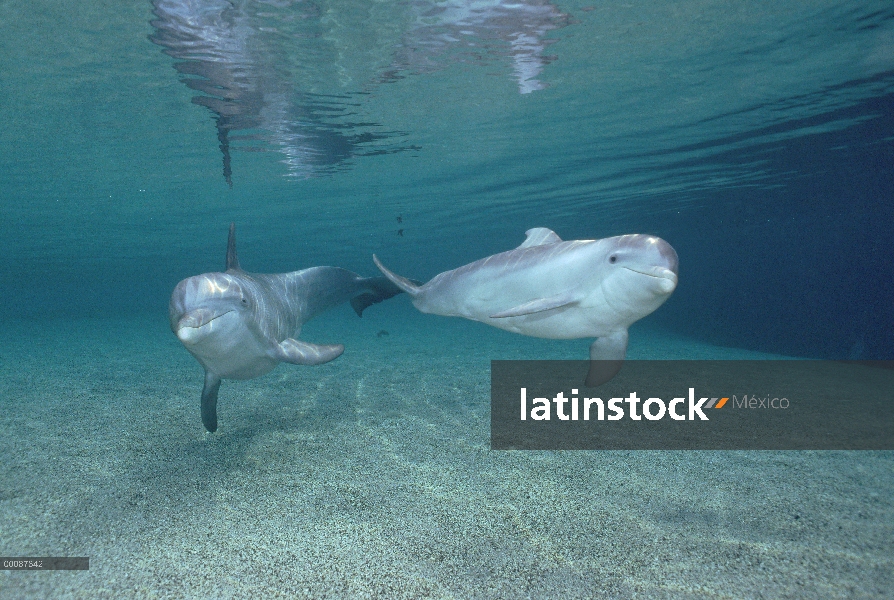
[
  {"x": 612, "y": 259},
  {"x": 244, "y": 301}
]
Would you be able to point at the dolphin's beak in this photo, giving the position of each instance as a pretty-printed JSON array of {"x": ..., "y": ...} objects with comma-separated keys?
[
  {"x": 189, "y": 326},
  {"x": 668, "y": 279},
  {"x": 667, "y": 265}
]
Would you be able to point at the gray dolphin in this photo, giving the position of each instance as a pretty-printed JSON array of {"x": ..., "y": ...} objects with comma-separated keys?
[
  {"x": 240, "y": 325},
  {"x": 553, "y": 289}
]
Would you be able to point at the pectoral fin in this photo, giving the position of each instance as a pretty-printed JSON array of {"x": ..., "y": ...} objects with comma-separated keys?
[
  {"x": 536, "y": 306},
  {"x": 297, "y": 352},
  {"x": 209, "y": 401},
  {"x": 606, "y": 357}
]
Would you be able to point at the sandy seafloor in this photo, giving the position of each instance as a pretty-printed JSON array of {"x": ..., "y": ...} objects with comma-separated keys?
[{"x": 372, "y": 477}]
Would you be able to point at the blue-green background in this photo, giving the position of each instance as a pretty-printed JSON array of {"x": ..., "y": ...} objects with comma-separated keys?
[{"x": 756, "y": 138}]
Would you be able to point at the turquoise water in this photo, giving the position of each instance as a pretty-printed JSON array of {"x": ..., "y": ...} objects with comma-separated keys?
[{"x": 757, "y": 139}]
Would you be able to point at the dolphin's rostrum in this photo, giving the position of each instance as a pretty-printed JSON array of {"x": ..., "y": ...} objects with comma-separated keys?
[
  {"x": 554, "y": 289},
  {"x": 240, "y": 325}
]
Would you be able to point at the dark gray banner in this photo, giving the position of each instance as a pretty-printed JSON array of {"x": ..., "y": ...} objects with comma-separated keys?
[
  {"x": 44, "y": 563},
  {"x": 694, "y": 405}
]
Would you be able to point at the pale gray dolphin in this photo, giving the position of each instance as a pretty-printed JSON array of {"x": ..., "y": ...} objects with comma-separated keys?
[
  {"x": 241, "y": 325},
  {"x": 549, "y": 288}
]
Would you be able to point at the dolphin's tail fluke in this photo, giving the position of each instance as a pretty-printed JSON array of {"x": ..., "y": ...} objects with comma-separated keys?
[
  {"x": 407, "y": 285},
  {"x": 378, "y": 289}
]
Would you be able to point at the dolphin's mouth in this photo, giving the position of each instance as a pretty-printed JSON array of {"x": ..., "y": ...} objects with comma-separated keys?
[
  {"x": 657, "y": 272},
  {"x": 189, "y": 324},
  {"x": 667, "y": 278}
]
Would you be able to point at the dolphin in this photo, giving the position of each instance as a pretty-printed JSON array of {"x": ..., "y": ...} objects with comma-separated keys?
[
  {"x": 240, "y": 325},
  {"x": 555, "y": 289}
]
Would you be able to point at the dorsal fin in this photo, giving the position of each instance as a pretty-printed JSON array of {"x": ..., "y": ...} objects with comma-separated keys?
[
  {"x": 232, "y": 259},
  {"x": 540, "y": 236}
]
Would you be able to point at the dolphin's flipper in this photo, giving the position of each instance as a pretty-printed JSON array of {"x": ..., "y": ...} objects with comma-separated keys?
[
  {"x": 380, "y": 289},
  {"x": 402, "y": 282},
  {"x": 606, "y": 357},
  {"x": 302, "y": 353},
  {"x": 540, "y": 236},
  {"x": 536, "y": 306},
  {"x": 209, "y": 401}
]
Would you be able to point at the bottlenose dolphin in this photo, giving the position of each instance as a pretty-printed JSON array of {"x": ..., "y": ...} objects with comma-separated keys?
[
  {"x": 240, "y": 325},
  {"x": 559, "y": 290}
]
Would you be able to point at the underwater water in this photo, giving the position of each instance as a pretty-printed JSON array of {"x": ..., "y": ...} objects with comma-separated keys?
[{"x": 756, "y": 138}]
